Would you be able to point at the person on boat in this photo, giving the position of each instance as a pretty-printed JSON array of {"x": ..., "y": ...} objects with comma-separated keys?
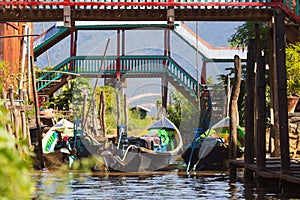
[{"x": 63, "y": 146}]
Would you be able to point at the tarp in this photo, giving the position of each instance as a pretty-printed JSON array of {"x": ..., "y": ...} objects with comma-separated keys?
[
  {"x": 222, "y": 128},
  {"x": 50, "y": 139},
  {"x": 162, "y": 123}
]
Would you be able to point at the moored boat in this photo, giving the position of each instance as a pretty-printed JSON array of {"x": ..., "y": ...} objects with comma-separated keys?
[
  {"x": 155, "y": 148},
  {"x": 209, "y": 150}
]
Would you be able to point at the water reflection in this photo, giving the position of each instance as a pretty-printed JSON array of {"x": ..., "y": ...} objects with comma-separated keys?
[{"x": 156, "y": 185}]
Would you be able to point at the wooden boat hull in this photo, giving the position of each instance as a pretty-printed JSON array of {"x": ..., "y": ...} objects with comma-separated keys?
[
  {"x": 216, "y": 157},
  {"x": 138, "y": 158}
]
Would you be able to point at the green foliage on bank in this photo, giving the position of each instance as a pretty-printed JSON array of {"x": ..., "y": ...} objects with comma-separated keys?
[
  {"x": 15, "y": 176},
  {"x": 293, "y": 69},
  {"x": 183, "y": 114}
]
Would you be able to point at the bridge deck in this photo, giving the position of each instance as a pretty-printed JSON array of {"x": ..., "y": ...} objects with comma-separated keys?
[
  {"x": 102, "y": 10},
  {"x": 133, "y": 15}
]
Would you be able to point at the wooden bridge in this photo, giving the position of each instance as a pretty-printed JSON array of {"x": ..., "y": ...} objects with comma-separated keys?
[{"x": 131, "y": 10}]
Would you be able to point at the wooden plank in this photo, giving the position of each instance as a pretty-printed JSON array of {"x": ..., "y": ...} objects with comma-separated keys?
[
  {"x": 267, "y": 174},
  {"x": 290, "y": 178}
]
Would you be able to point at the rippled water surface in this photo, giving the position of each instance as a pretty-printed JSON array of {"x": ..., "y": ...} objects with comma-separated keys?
[{"x": 155, "y": 185}]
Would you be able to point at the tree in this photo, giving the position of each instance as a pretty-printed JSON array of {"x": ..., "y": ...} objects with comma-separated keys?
[
  {"x": 246, "y": 31},
  {"x": 72, "y": 98},
  {"x": 293, "y": 69},
  {"x": 183, "y": 114}
]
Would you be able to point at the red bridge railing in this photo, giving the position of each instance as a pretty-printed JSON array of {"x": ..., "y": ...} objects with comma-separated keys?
[{"x": 291, "y": 7}]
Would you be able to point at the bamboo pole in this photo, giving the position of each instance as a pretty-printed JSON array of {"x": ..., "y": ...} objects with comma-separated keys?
[
  {"x": 126, "y": 112},
  {"x": 94, "y": 118},
  {"x": 84, "y": 117},
  {"x": 118, "y": 113},
  {"x": 37, "y": 116},
  {"x": 97, "y": 79},
  {"x": 102, "y": 114}
]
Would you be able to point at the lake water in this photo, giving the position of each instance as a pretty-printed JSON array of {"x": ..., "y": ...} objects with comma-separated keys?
[{"x": 154, "y": 185}]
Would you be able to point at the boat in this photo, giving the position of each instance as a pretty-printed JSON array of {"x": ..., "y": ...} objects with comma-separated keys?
[
  {"x": 156, "y": 148},
  {"x": 56, "y": 145},
  {"x": 209, "y": 149},
  {"x": 65, "y": 143}
]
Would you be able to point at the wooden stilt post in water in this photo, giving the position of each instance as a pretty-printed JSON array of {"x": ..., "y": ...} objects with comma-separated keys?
[
  {"x": 37, "y": 117},
  {"x": 102, "y": 99},
  {"x": 279, "y": 16},
  {"x": 274, "y": 124},
  {"x": 164, "y": 91},
  {"x": 84, "y": 117},
  {"x": 126, "y": 113},
  {"x": 258, "y": 53},
  {"x": 261, "y": 114},
  {"x": 249, "y": 110},
  {"x": 118, "y": 112},
  {"x": 228, "y": 93},
  {"x": 234, "y": 112},
  {"x": 99, "y": 113},
  {"x": 94, "y": 118}
]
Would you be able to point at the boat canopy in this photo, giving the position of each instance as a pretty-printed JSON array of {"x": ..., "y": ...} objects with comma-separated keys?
[{"x": 163, "y": 123}]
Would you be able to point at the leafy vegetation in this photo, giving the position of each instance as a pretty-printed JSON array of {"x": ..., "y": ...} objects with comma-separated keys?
[
  {"x": 293, "y": 69},
  {"x": 183, "y": 114},
  {"x": 71, "y": 97},
  {"x": 246, "y": 31},
  {"x": 14, "y": 172},
  {"x": 8, "y": 78}
]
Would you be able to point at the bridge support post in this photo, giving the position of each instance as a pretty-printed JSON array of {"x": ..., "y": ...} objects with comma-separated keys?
[
  {"x": 261, "y": 115},
  {"x": 73, "y": 47},
  {"x": 118, "y": 56},
  {"x": 170, "y": 17},
  {"x": 67, "y": 17},
  {"x": 249, "y": 110},
  {"x": 274, "y": 124},
  {"x": 280, "y": 59}
]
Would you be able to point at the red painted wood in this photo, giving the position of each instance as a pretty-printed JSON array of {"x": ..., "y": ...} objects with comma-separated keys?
[{"x": 167, "y": 3}]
